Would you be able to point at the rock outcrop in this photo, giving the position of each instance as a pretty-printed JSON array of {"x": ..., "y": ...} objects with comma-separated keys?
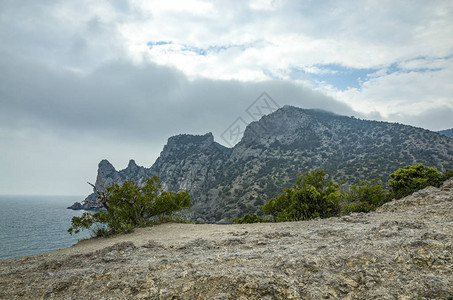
[
  {"x": 108, "y": 175},
  {"x": 190, "y": 162},
  {"x": 404, "y": 250},
  {"x": 228, "y": 182}
]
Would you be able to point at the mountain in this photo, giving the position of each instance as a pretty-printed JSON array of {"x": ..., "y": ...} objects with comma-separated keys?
[
  {"x": 227, "y": 182},
  {"x": 447, "y": 132}
]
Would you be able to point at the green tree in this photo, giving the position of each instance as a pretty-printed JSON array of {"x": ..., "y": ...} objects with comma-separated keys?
[
  {"x": 312, "y": 196},
  {"x": 365, "y": 197},
  {"x": 123, "y": 208},
  {"x": 410, "y": 179}
]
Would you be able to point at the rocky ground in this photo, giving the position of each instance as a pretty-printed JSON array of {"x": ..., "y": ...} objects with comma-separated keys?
[{"x": 402, "y": 251}]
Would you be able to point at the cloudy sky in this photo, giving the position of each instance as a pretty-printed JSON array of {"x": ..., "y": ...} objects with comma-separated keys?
[{"x": 85, "y": 80}]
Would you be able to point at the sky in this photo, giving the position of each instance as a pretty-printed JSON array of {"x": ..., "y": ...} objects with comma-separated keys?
[{"x": 82, "y": 81}]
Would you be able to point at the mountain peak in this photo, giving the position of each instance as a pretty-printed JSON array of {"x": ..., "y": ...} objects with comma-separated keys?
[
  {"x": 292, "y": 110},
  {"x": 106, "y": 166},
  {"x": 207, "y": 138},
  {"x": 131, "y": 164},
  {"x": 284, "y": 121},
  {"x": 187, "y": 143},
  {"x": 287, "y": 121}
]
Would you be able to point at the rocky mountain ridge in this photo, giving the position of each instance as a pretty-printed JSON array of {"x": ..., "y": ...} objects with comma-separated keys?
[
  {"x": 108, "y": 175},
  {"x": 227, "y": 182}
]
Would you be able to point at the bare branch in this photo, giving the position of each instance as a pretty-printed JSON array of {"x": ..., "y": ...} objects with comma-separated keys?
[{"x": 101, "y": 196}]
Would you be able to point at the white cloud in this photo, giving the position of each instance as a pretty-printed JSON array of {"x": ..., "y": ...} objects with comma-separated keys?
[
  {"x": 294, "y": 34},
  {"x": 427, "y": 63},
  {"x": 193, "y": 7},
  {"x": 416, "y": 88}
]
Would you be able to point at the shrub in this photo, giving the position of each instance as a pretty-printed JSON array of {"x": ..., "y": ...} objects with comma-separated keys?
[
  {"x": 364, "y": 198},
  {"x": 311, "y": 197},
  {"x": 248, "y": 218},
  {"x": 356, "y": 207},
  {"x": 410, "y": 179},
  {"x": 126, "y": 207}
]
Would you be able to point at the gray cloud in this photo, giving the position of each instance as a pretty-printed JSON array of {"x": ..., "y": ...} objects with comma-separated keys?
[
  {"x": 438, "y": 118},
  {"x": 136, "y": 101},
  {"x": 56, "y": 122}
]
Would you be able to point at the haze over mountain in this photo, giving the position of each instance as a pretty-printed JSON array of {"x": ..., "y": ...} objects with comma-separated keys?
[{"x": 227, "y": 182}]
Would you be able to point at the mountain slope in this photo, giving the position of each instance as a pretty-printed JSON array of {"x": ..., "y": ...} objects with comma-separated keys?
[
  {"x": 447, "y": 132},
  {"x": 227, "y": 182}
]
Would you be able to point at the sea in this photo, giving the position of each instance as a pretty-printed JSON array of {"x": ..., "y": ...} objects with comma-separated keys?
[{"x": 36, "y": 224}]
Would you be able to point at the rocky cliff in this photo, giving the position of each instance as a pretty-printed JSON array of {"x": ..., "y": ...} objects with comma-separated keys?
[
  {"x": 190, "y": 162},
  {"x": 404, "y": 250},
  {"x": 108, "y": 175},
  {"x": 228, "y": 182}
]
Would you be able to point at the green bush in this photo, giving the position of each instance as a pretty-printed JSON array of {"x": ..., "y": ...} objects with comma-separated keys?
[
  {"x": 364, "y": 198},
  {"x": 410, "y": 179},
  {"x": 248, "y": 218},
  {"x": 314, "y": 196},
  {"x": 356, "y": 207},
  {"x": 126, "y": 207},
  {"x": 311, "y": 197}
]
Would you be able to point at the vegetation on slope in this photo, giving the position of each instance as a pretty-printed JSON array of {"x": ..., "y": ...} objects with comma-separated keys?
[
  {"x": 123, "y": 208},
  {"x": 314, "y": 196}
]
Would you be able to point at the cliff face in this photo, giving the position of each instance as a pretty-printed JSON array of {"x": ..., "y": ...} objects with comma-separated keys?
[
  {"x": 190, "y": 162},
  {"x": 108, "y": 175},
  {"x": 401, "y": 251},
  {"x": 227, "y": 182}
]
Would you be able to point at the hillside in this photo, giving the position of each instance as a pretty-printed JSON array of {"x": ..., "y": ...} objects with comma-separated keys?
[
  {"x": 447, "y": 132},
  {"x": 227, "y": 182},
  {"x": 401, "y": 251}
]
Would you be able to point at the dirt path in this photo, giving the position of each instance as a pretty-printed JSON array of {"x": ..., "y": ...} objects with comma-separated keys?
[{"x": 171, "y": 234}]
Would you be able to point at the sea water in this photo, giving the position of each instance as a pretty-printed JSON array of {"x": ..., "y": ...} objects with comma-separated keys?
[{"x": 36, "y": 224}]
